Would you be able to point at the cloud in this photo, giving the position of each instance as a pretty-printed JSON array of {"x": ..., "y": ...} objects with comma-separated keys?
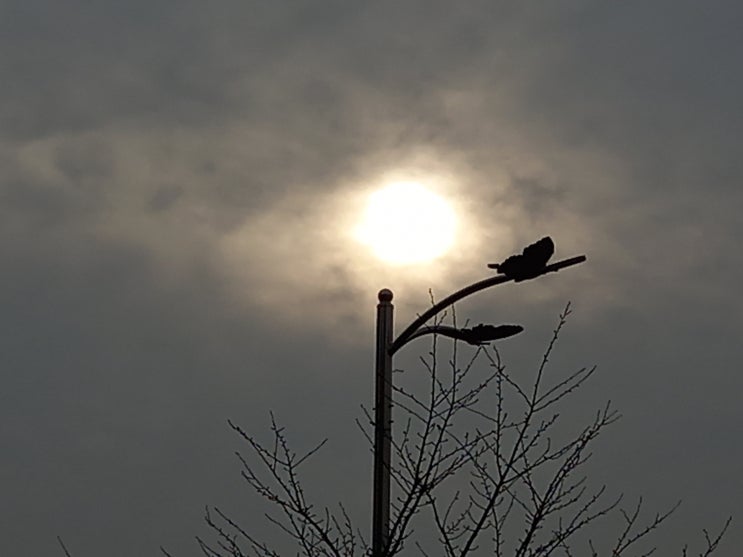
[{"x": 178, "y": 187}]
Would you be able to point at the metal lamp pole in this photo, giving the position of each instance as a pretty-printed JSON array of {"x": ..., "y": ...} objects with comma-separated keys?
[
  {"x": 382, "y": 424},
  {"x": 385, "y": 349}
]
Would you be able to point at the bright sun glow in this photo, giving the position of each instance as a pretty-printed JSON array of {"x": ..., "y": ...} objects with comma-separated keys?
[{"x": 405, "y": 223}]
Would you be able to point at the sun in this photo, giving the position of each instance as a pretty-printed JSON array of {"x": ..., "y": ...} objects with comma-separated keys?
[{"x": 406, "y": 223}]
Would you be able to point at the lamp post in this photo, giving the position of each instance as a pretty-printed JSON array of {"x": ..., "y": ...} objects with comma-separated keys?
[{"x": 386, "y": 347}]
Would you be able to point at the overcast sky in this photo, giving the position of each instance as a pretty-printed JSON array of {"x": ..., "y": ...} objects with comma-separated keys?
[{"x": 177, "y": 183}]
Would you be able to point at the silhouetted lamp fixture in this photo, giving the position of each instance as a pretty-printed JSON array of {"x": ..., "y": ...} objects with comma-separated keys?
[
  {"x": 476, "y": 336},
  {"x": 530, "y": 263}
]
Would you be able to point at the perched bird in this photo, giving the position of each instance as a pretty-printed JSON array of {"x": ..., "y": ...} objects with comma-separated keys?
[{"x": 530, "y": 263}]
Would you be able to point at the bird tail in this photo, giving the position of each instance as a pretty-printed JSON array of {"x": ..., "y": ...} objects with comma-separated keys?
[{"x": 495, "y": 266}]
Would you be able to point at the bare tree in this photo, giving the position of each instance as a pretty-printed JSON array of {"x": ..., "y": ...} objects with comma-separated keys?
[{"x": 479, "y": 455}]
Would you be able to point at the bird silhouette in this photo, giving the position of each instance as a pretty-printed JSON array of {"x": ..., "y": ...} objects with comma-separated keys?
[{"x": 529, "y": 263}]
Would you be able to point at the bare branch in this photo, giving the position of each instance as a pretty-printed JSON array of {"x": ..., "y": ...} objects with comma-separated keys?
[{"x": 482, "y": 453}]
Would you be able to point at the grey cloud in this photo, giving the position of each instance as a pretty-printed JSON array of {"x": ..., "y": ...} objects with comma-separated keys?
[{"x": 164, "y": 174}]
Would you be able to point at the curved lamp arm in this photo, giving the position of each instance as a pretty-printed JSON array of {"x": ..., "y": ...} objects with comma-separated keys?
[{"x": 410, "y": 333}]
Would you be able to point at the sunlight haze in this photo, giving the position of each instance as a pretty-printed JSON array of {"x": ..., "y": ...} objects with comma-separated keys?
[
  {"x": 200, "y": 203},
  {"x": 405, "y": 223}
]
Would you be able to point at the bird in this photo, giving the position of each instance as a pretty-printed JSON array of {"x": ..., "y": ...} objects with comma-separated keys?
[{"x": 529, "y": 263}]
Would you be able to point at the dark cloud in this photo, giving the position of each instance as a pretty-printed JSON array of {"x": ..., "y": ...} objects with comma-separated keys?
[{"x": 177, "y": 183}]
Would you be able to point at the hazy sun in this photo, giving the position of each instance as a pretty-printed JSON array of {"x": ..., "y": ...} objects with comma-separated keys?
[{"x": 406, "y": 223}]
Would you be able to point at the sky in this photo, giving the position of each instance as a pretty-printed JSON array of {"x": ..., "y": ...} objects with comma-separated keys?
[{"x": 178, "y": 186}]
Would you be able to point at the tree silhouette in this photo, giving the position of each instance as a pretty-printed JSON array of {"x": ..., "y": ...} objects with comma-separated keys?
[{"x": 479, "y": 456}]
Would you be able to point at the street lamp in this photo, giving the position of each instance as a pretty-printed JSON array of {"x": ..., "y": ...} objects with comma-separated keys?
[{"x": 517, "y": 268}]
